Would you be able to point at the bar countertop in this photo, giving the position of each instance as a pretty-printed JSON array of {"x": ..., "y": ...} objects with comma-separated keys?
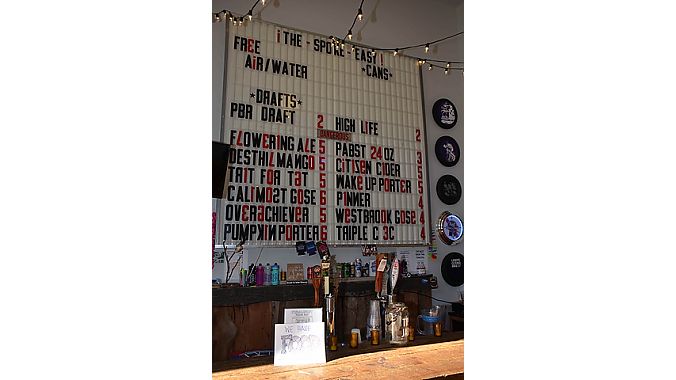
[{"x": 421, "y": 361}]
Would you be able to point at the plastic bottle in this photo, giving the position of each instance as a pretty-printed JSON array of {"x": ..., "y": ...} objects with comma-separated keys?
[
  {"x": 268, "y": 274},
  {"x": 357, "y": 268},
  {"x": 242, "y": 277},
  {"x": 275, "y": 275},
  {"x": 260, "y": 275}
]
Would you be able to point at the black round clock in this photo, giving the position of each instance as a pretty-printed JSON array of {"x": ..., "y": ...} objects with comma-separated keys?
[
  {"x": 445, "y": 113},
  {"x": 447, "y": 151},
  {"x": 449, "y": 189},
  {"x": 450, "y": 228},
  {"x": 452, "y": 269}
]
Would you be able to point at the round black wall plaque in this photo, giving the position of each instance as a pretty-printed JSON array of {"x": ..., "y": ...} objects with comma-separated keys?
[
  {"x": 449, "y": 189},
  {"x": 453, "y": 269},
  {"x": 447, "y": 150},
  {"x": 445, "y": 113}
]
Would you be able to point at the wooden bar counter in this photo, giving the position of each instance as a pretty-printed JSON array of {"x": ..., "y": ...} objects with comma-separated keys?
[
  {"x": 243, "y": 319},
  {"x": 424, "y": 358}
]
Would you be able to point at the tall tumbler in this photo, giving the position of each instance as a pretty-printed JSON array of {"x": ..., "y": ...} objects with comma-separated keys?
[
  {"x": 373, "y": 322},
  {"x": 330, "y": 314}
]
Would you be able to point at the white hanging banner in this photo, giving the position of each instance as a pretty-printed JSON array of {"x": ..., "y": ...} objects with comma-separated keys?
[{"x": 327, "y": 143}]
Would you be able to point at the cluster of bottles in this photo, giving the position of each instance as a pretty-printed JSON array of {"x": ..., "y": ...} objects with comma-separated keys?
[
  {"x": 355, "y": 269},
  {"x": 260, "y": 275}
]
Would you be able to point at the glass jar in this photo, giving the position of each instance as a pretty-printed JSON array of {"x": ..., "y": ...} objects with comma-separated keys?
[{"x": 396, "y": 323}]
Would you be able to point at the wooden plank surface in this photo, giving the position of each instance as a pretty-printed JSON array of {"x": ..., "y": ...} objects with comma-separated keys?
[{"x": 419, "y": 362}]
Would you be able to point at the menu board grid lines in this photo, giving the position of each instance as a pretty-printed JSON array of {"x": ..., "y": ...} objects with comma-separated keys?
[{"x": 326, "y": 143}]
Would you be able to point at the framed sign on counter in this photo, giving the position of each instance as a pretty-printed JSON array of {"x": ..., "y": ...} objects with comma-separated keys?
[{"x": 326, "y": 143}]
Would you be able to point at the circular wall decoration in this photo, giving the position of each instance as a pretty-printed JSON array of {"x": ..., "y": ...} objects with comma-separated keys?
[
  {"x": 447, "y": 150},
  {"x": 445, "y": 113},
  {"x": 450, "y": 228},
  {"x": 452, "y": 269},
  {"x": 449, "y": 189}
]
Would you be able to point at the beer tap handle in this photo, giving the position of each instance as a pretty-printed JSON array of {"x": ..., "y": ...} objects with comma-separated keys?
[
  {"x": 379, "y": 273},
  {"x": 316, "y": 284},
  {"x": 394, "y": 273}
]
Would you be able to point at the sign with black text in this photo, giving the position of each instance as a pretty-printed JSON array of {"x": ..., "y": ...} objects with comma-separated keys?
[{"x": 326, "y": 143}]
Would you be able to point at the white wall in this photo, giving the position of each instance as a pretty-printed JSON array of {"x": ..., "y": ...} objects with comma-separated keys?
[{"x": 389, "y": 23}]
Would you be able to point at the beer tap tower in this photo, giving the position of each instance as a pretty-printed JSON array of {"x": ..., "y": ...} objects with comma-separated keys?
[
  {"x": 387, "y": 274},
  {"x": 328, "y": 268}
]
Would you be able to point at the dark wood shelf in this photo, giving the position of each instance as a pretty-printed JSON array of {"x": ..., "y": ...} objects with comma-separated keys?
[{"x": 352, "y": 287}]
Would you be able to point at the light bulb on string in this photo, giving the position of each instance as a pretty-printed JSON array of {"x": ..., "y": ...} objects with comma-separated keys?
[
  {"x": 216, "y": 18},
  {"x": 249, "y": 15},
  {"x": 448, "y": 65},
  {"x": 360, "y": 15},
  {"x": 395, "y": 51},
  {"x": 349, "y": 35},
  {"x": 427, "y": 48},
  {"x": 342, "y": 45},
  {"x": 423, "y": 61},
  {"x": 445, "y": 71},
  {"x": 263, "y": 2},
  {"x": 430, "y": 68}
]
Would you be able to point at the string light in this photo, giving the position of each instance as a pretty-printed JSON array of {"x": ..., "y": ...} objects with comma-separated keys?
[
  {"x": 359, "y": 16},
  {"x": 224, "y": 15}
]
